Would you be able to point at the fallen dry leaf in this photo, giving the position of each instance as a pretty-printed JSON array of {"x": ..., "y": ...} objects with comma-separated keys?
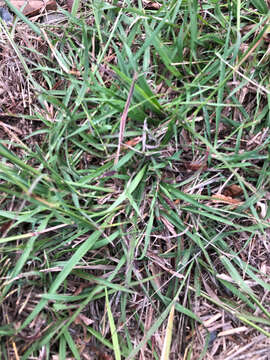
[
  {"x": 74, "y": 72},
  {"x": 194, "y": 166},
  {"x": 5, "y": 227},
  {"x": 82, "y": 319},
  {"x": 197, "y": 165},
  {"x": 132, "y": 142},
  {"x": 34, "y": 7},
  {"x": 219, "y": 198},
  {"x": 69, "y": 5},
  {"x": 233, "y": 191},
  {"x": 151, "y": 5}
]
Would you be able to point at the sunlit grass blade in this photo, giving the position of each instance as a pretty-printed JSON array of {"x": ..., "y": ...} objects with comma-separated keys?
[{"x": 115, "y": 341}]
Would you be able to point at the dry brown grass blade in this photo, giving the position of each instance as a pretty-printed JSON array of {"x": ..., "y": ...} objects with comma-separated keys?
[
  {"x": 168, "y": 336},
  {"x": 15, "y": 351},
  {"x": 124, "y": 118}
]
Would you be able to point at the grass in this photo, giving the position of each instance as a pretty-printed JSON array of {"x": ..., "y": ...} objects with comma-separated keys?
[{"x": 134, "y": 208}]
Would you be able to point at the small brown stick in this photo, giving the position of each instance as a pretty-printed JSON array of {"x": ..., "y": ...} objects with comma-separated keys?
[{"x": 124, "y": 118}]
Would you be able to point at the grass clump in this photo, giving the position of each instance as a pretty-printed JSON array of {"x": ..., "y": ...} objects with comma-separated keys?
[{"x": 134, "y": 183}]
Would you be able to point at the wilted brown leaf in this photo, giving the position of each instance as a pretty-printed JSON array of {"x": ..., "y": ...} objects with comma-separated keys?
[
  {"x": 34, "y": 7},
  {"x": 152, "y": 5},
  {"x": 69, "y": 5},
  {"x": 219, "y": 198},
  {"x": 132, "y": 142},
  {"x": 197, "y": 165},
  {"x": 82, "y": 319},
  {"x": 233, "y": 191},
  {"x": 5, "y": 226},
  {"x": 194, "y": 166}
]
